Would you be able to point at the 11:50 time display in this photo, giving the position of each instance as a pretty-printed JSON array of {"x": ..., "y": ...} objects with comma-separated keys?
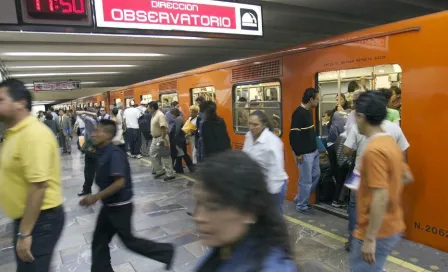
[{"x": 57, "y": 9}]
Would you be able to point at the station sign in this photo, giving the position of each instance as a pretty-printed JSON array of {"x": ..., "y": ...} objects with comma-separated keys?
[
  {"x": 56, "y": 86},
  {"x": 200, "y": 16}
]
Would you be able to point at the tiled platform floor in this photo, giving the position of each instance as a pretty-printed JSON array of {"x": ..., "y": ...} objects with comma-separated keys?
[{"x": 160, "y": 214}]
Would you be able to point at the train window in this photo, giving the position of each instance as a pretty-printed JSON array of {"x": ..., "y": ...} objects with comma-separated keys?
[
  {"x": 145, "y": 98},
  {"x": 347, "y": 81},
  {"x": 250, "y": 97},
  {"x": 129, "y": 101},
  {"x": 207, "y": 92},
  {"x": 167, "y": 98}
]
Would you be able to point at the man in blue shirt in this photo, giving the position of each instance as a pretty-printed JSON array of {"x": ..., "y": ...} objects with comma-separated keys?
[{"x": 113, "y": 176}]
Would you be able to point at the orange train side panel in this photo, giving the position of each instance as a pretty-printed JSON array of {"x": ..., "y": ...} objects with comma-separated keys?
[{"x": 418, "y": 46}]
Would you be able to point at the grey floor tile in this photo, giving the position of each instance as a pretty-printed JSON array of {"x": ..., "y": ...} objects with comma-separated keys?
[
  {"x": 70, "y": 240},
  {"x": 180, "y": 240},
  {"x": 145, "y": 265},
  {"x": 197, "y": 249},
  {"x": 307, "y": 250},
  {"x": 180, "y": 226},
  {"x": 10, "y": 267},
  {"x": 186, "y": 267},
  {"x": 77, "y": 254},
  {"x": 314, "y": 266},
  {"x": 338, "y": 260},
  {"x": 391, "y": 267},
  {"x": 125, "y": 267}
]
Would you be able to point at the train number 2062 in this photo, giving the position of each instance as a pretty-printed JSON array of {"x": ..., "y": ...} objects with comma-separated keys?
[{"x": 431, "y": 229}]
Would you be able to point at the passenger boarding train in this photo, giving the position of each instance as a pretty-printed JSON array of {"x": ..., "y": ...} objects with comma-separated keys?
[{"x": 410, "y": 54}]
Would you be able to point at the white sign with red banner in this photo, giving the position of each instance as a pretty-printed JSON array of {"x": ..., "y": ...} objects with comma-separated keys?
[{"x": 181, "y": 15}]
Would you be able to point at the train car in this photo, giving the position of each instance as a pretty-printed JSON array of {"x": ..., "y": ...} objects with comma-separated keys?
[{"x": 410, "y": 54}]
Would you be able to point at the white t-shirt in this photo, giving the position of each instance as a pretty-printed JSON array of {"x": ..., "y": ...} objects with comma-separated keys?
[
  {"x": 356, "y": 141},
  {"x": 131, "y": 116},
  {"x": 267, "y": 150}
]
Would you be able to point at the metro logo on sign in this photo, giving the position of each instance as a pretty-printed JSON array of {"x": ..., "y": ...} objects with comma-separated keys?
[{"x": 185, "y": 15}]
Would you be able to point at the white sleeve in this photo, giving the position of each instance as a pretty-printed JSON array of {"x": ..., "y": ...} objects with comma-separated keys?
[
  {"x": 245, "y": 146},
  {"x": 350, "y": 142},
  {"x": 401, "y": 140}
]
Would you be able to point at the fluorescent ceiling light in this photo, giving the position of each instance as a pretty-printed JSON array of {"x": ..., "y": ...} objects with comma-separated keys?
[
  {"x": 63, "y": 74},
  {"x": 72, "y": 66},
  {"x": 67, "y": 54},
  {"x": 114, "y": 35}
]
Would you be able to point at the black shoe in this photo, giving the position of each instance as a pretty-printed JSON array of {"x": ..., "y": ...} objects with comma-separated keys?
[
  {"x": 189, "y": 213},
  {"x": 83, "y": 193},
  {"x": 169, "y": 178},
  {"x": 171, "y": 261},
  {"x": 159, "y": 175},
  {"x": 347, "y": 246},
  {"x": 192, "y": 169}
]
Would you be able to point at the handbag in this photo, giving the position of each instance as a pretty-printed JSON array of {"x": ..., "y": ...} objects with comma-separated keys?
[
  {"x": 163, "y": 151},
  {"x": 88, "y": 147},
  {"x": 342, "y": 159}
]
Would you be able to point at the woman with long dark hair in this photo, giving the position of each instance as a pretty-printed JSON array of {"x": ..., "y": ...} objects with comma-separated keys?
[
  {"x": 236, "y": 216},
  {"x": 213, "y": 130},
  {"x": 266, "y": 148}
]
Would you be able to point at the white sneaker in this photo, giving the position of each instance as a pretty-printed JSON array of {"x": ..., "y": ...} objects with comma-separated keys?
[{"x": 138, "y": 156}]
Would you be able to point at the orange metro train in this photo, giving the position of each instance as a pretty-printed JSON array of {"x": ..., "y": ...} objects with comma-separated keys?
[{"x": 410, "y": 54}]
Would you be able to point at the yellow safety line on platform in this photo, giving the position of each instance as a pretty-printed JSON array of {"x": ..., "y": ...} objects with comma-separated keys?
[{"x": 391, "y": 259}]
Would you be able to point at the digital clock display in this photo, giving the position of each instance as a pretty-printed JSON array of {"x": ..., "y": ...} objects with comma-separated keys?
[{"x": 57, "y": 9}]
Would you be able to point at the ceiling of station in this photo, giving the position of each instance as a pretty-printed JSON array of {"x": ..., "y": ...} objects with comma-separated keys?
[{"x": 111, "y": 61}]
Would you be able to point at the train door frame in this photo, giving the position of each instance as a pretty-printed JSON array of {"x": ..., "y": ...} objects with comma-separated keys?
[
  {"x": 319, "y": 113},
  {"x": 253, "y": 82}
]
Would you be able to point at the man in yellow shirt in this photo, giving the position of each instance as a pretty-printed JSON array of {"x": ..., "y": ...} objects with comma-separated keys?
[{"x": 30, "y": 183}]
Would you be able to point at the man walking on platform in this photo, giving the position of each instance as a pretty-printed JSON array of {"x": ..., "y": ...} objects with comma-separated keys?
[
  {"x": 89, "y": 119},
  {"x": 30, "y": 180},
  {"x": 302, "y": 139},
  {"x": 65, "y": 132},
  {"x": 380, "y": 222},
  {"x": 160, "y": 150},
  {"x": 113, "y": 176}
]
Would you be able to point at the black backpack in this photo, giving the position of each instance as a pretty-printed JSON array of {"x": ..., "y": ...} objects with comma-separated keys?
[
  {"x": 327, "y": 183},
  {"x": 144, "y": 124}
]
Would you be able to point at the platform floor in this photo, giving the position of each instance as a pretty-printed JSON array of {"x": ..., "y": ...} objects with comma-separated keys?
[{"x": 160, "y": 215}]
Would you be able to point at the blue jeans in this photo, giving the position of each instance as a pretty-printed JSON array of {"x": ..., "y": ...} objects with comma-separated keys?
[
  {"x": 309, "y": 178},
  {"x": 383, "y": 249},
  {"x": 46, "y": 234},
  {"x": 280, "y": 197},
  {"x": 351, "y": 210}
]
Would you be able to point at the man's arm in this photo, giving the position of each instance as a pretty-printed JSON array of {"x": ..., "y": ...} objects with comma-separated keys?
[
  {"x": 35, "y": 197},
  {"x": 376, "y": 175},
  {"x": 36, "y": 163},
  {"x": 378, "y": 207},
  {"x": 117, "y": 185}
]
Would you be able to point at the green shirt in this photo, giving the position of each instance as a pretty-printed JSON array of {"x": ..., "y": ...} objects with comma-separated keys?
[{"x": 393, "y": 115}]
